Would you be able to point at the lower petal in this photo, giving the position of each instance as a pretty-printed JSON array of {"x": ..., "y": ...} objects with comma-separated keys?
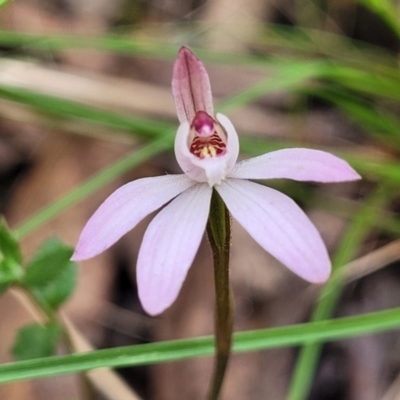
[
  {"x": 124, "y": 209},
  {"x": 279, "y": 226},
  {"x": 169, "y": 247}
]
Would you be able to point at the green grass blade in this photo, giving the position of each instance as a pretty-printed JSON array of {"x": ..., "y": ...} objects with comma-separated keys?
[
  {"x": 130, "y": 45},
  {"x": 380, "y": 124},
  {"x": 189, "y": 348},
  {"x": 56, "y": 107},
  {"x": 386, "y": 10},
  {"x": 294, "y": 39},
  {"x": 297, "y": 40},
  {"x": 378, "y": 85},
  {"x": 287, "y": 75}
]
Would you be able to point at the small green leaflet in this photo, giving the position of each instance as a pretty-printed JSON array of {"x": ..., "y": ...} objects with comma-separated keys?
[
  {"x": 35, "y": 341},
  {"x": 50, "y": 275}
]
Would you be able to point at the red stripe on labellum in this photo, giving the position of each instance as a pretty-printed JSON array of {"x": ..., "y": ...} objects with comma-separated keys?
[
  {"x": 206, "y": 142},
  {"x": 200, "y": 143}
]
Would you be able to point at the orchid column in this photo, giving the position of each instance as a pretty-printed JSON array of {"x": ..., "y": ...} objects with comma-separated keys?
[{"x": 207, "y": 148}]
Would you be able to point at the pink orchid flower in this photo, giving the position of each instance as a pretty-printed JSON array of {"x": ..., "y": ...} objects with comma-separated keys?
[{"x": 206, "y": 148}]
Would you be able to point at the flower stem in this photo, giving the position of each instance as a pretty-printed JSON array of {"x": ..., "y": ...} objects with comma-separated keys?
[{"x": 219, "y": 234}]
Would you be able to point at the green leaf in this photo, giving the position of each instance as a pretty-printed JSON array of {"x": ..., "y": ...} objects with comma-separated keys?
[
  {"x": 60, "y": 289},
  {"x": 35, "y": 341},
  {"x": 51, "y": 275},
  {"x": 10, "y": 256},
  {"x": 145, "y": 354},
  {"x": 48, "y": 263}
]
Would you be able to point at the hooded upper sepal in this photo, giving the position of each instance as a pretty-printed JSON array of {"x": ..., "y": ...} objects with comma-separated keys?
[{"x": 190, "y": 86}]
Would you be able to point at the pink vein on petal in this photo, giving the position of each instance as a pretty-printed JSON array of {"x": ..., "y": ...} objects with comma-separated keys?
[
  {"x": 278, "y": 224},
  {"x": 169, "y": 247},
  {"x": 296, "y": 164},
  {"x": 190, "y": 86},
  {"x": 124, "y": 209}
]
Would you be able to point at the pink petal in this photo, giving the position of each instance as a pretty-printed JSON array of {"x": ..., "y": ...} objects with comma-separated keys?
[
  {"x": 124, "y": 209},
  {"x": 190, "y": 87},
  {"x": 214, "y": 169},
  {"x": 169, "y": 247},
  {"x": 296, "y": 164},
  {"x": 279, "y": 226}
]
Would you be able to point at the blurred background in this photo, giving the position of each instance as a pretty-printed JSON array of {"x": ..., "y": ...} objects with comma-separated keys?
[{"x": 85, "y": 83}]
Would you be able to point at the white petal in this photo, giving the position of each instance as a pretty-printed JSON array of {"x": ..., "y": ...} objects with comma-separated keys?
[
  {"x": 124, "y": 209},
  {"x": 212, "y": 170},
  {"x": 184, "y": 157},
  {"x": 169, "y": 247},
  {"x": 279, "y": 226},
  {"x": 232, "y": 145},
  {"x": 296, "y": 164}
]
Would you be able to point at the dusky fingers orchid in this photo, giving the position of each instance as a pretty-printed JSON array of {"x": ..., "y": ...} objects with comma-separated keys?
[{"x": 206, "y": 148}]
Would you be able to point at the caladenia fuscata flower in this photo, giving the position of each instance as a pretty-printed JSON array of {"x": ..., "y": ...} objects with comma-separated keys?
[{"x": 207, "y": 148}]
